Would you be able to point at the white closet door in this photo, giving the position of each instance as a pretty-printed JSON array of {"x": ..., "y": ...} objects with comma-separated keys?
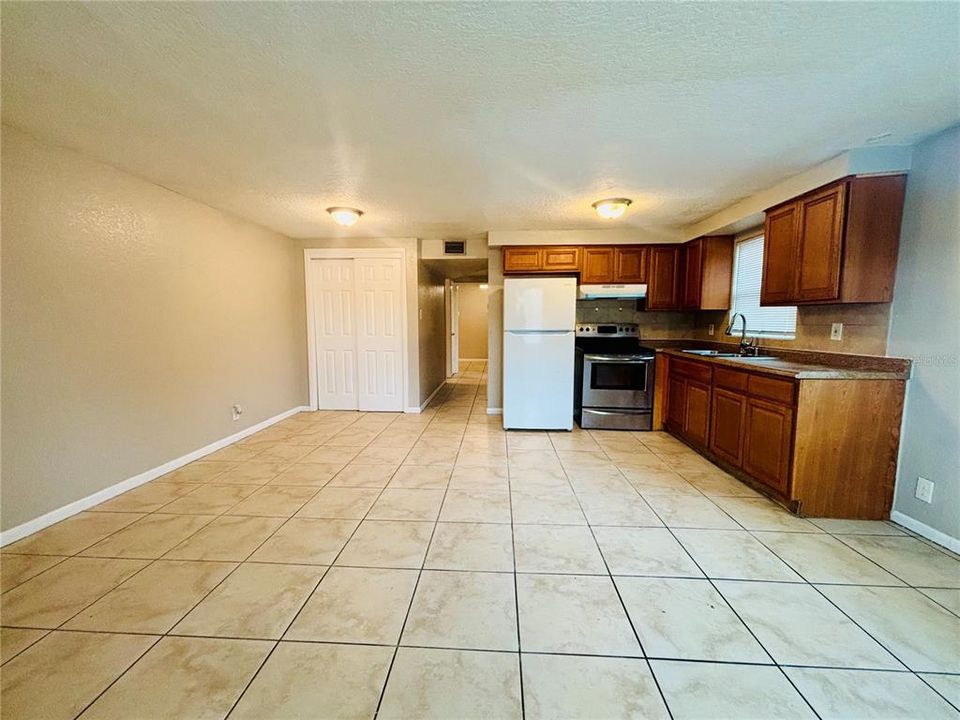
[
  {"x": 380, "y": 311},
  {"x": 334, "y": 301}
]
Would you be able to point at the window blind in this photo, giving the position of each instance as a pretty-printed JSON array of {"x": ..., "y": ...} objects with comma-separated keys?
[{"x": 778, "y": 321}]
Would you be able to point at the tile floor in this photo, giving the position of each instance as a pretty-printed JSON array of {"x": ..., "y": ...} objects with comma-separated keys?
[{"x": 432, "y": 566}]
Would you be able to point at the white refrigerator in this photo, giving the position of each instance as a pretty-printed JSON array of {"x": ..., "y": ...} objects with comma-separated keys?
[{"x": 539, "y": 315}]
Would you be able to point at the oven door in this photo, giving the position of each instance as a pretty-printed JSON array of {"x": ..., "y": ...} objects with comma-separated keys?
[{"x": 618, "y": 381}]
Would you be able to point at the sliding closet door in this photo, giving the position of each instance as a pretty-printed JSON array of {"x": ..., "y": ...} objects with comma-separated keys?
[
  {"x": 334, "y": 301},
  {"x": 380, "y": 309}
]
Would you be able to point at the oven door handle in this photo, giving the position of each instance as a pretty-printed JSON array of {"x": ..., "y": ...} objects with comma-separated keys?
[{"x": 617, "y": 360}]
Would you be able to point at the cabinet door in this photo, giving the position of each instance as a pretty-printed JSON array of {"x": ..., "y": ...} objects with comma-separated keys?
[
  {"x": 597, "y": 265},
  {"x": 662, "y": 290},
  {"x": 696, "y": 417},
  {"x": 821, "y": 240},
  {"x": 562, "y": 258},
  {"x": 727, "y": 423},
  {"x": 692, "y": 274},
  {"x": 780, "y": 255},
  {"x": 676, "y": 403},
  {"x": 522, "y": 259},
  {"x": 630, "y": 265},
  {"x": 766, "y": 452}
]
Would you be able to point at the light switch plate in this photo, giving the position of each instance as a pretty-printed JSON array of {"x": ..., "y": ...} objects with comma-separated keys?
[
  {"x": 836, "y": 331},
  {"x": 711, "y": 329},
  {"x": 924, "y": 490}
]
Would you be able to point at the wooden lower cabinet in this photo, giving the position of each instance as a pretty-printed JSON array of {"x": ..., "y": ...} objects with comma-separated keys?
[
  {"x": 767, "y": 439},
  {"x": 728, "y": 419},
  {"x": 676, "y": 403},
  {"x": 696, "y": 418}
]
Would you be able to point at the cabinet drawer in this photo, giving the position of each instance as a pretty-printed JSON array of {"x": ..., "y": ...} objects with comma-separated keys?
[
  {"x": 562, "y": 257},
  {"x": 730, "y": 379},
  {"x": 781, "y": 391},
  {"x": 692, "y": 370}
]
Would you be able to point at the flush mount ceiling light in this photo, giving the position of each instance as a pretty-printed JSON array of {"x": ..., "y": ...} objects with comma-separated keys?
[
  {"x": 344, "y": 216},
  {"x": 611, "y": 208}
]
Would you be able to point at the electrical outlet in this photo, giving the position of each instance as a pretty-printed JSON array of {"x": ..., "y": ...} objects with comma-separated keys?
[
  {"x": 924, "y": 490},
  {"x": 237, "y": 411},
  {"x": 836, "y": 331},
  {"x": 711, "y": 329}
]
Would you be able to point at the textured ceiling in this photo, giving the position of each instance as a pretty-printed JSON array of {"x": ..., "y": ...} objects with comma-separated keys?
[{"x": 442, "y": 119}]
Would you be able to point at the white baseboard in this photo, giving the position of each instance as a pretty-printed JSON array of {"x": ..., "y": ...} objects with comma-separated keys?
[
  {"x": 414, "y": 409},
  {"x": 62, "y": 513},
  {"x": 940, "y": 538},
  {"x": 494, "y": 411}
]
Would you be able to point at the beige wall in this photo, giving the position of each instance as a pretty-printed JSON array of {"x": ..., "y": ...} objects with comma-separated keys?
[
  {"x": 473, "y": 321},
  {"x": 133, "y": 319},
  {"x": 495, "y": 331},
  {"x": 410, "y": 246},
  {"x": 432, "y": 333}
]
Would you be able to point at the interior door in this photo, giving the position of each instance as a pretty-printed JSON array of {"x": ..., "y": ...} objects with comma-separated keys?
[
  {"x": 380, "y": 307},
  {"x": 455, "y": 329},
  {"x": 335, "y": 333}
]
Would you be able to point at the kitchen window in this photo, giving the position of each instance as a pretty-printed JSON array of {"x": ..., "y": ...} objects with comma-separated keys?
[{"x": 771, "y": 322}]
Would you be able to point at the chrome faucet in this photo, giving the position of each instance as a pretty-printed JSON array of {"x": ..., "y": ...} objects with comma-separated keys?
[{"x": 746, "y": 346}]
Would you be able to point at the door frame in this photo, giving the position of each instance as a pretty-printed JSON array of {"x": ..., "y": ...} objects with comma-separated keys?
[
  {"x": 451, "y": 305},
  {"x": 349, "y": 253}
]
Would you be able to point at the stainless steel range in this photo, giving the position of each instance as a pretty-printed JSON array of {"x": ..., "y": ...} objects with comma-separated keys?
[{"x": 615, "y": 374}]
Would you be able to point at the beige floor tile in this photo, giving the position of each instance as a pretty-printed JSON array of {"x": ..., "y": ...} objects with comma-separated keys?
[
  {"x": 274, "y": 501},
  {"x": 387, "y": 543},
  {"x": 909, "y": 559},
  {"x": 422, "y": 454},
  {"x": 306, "y": 541},
  {"x": 233, "y": 453},
  {"x": 420, "y": 477},
  {"x": 857, "y": 527},
  {"x": 202, "y": 471},
  {"x": 431, "y": 684},
  {"x": 687, "y": 511},
  {"x": 557, "y": 549},
  {"x": 331, "y": 455},
  {"x": 762, "y": 514},
  {"x": 353, "y": 437},
  {"x": 368, "y": 476},
  {"x": 686, "y": 619},
  {"x": 62, "y": 673},
  {"x": 476, "y": 506},
  {"x": 573, "y": 442},
  {"x": 533, "y": 460},
  {"x": 919, "y": 632},
  {"x": 356, "y": 605},
  {"x": 798, "y": 626},
  {"x": 644, "y": 462},
  {"x": 650, "y": 481},
  {"x": 479, "y": 478},
  {"x": 532, "y": 441},
  {"x": 734, "y": 555},
  {"x": 587, "y": 688},
  {"x": 947, "y": 685},
  {"x": 947, "y": 597},
  {"x": 256, "y": 601},
  {"x": 407, "y": 504},
  {"x": 573, "y": 614},
  {"x": 471, "y": 546},
  {"x": 153, "y": 600},
  {"x": 718, "y": 484},
  {"x": 55, "y": 596},
  {"x": 702, "y": 691},
  {"x": 342, "y": 503},
  {"x": 840, "y": 694},
  {"x": 283, "y": 453},
  {"x": 183, "y": 678},
  {"x": 823, "y": 559},
  {"x": 307, "y": 680},
  {"x": 617, "y": 508},
  {"x": 644, "y": 551},
  {"x": 472, "y": 610},
  {"x": 146, "y": 498},
  {"x": 210, "y": 499},
  {"x": 252, "y": 473},
  {"x": 14, "y": 641},
  {"x": 226, "y": 538},
  {"x": 310, "y": 474},
  {"x": 15, "y": 569},
  {"x": 72, "y": 535},
  {"x": 150, "y": 537},
  {"x": 546, "y": 507},
  {"x": 378, "y": 455}
]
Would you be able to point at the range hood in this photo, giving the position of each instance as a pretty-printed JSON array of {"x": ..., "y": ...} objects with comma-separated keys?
[{"x": 621, "y": 290}]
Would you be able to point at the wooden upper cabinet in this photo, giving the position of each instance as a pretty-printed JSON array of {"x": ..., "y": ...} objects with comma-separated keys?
[
  {"x": 707, "y": 273},
  {"x": 663, "y": 281},
  {"x": 522, "y": 259},
  {"x": 819, "y": 242},
  {"x": 780, "y": 244},
  {"x": 630, "y": 264},
  {"x": 597, "y": 265},
  {"x": 562, "y": 258},
  {"x": 836, "y": 244},
  {"x": 692, "y": 273},
  {"x": 541, "y": 259}
]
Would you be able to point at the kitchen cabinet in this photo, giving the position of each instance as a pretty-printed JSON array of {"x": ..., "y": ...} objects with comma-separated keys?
[
  {"x": 707, "y": 273},
  {"x": 562, "y": 258},
  {"x": 823, "y": 447},
  {"x": 663, "y": 280},
  {"x": 522, "y": 259},
  {"x": 597, "y": 265},
  {"x": 630, "y": 264},
  {"x": 613, "y": 264},
  {"x": 541, "y": 259},
  {"x": 835, "y": 244}
]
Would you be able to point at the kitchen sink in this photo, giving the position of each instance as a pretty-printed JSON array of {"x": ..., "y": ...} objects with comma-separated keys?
[{"x": 722, "y": 354}]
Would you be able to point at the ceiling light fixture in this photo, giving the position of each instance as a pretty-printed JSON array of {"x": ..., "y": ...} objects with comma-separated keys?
[
  {"x": 344, "y": 216},
  {"x": 611, "y": 208}
]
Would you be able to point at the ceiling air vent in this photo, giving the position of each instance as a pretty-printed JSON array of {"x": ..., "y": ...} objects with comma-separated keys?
[{"x": 454, "y": 247}]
